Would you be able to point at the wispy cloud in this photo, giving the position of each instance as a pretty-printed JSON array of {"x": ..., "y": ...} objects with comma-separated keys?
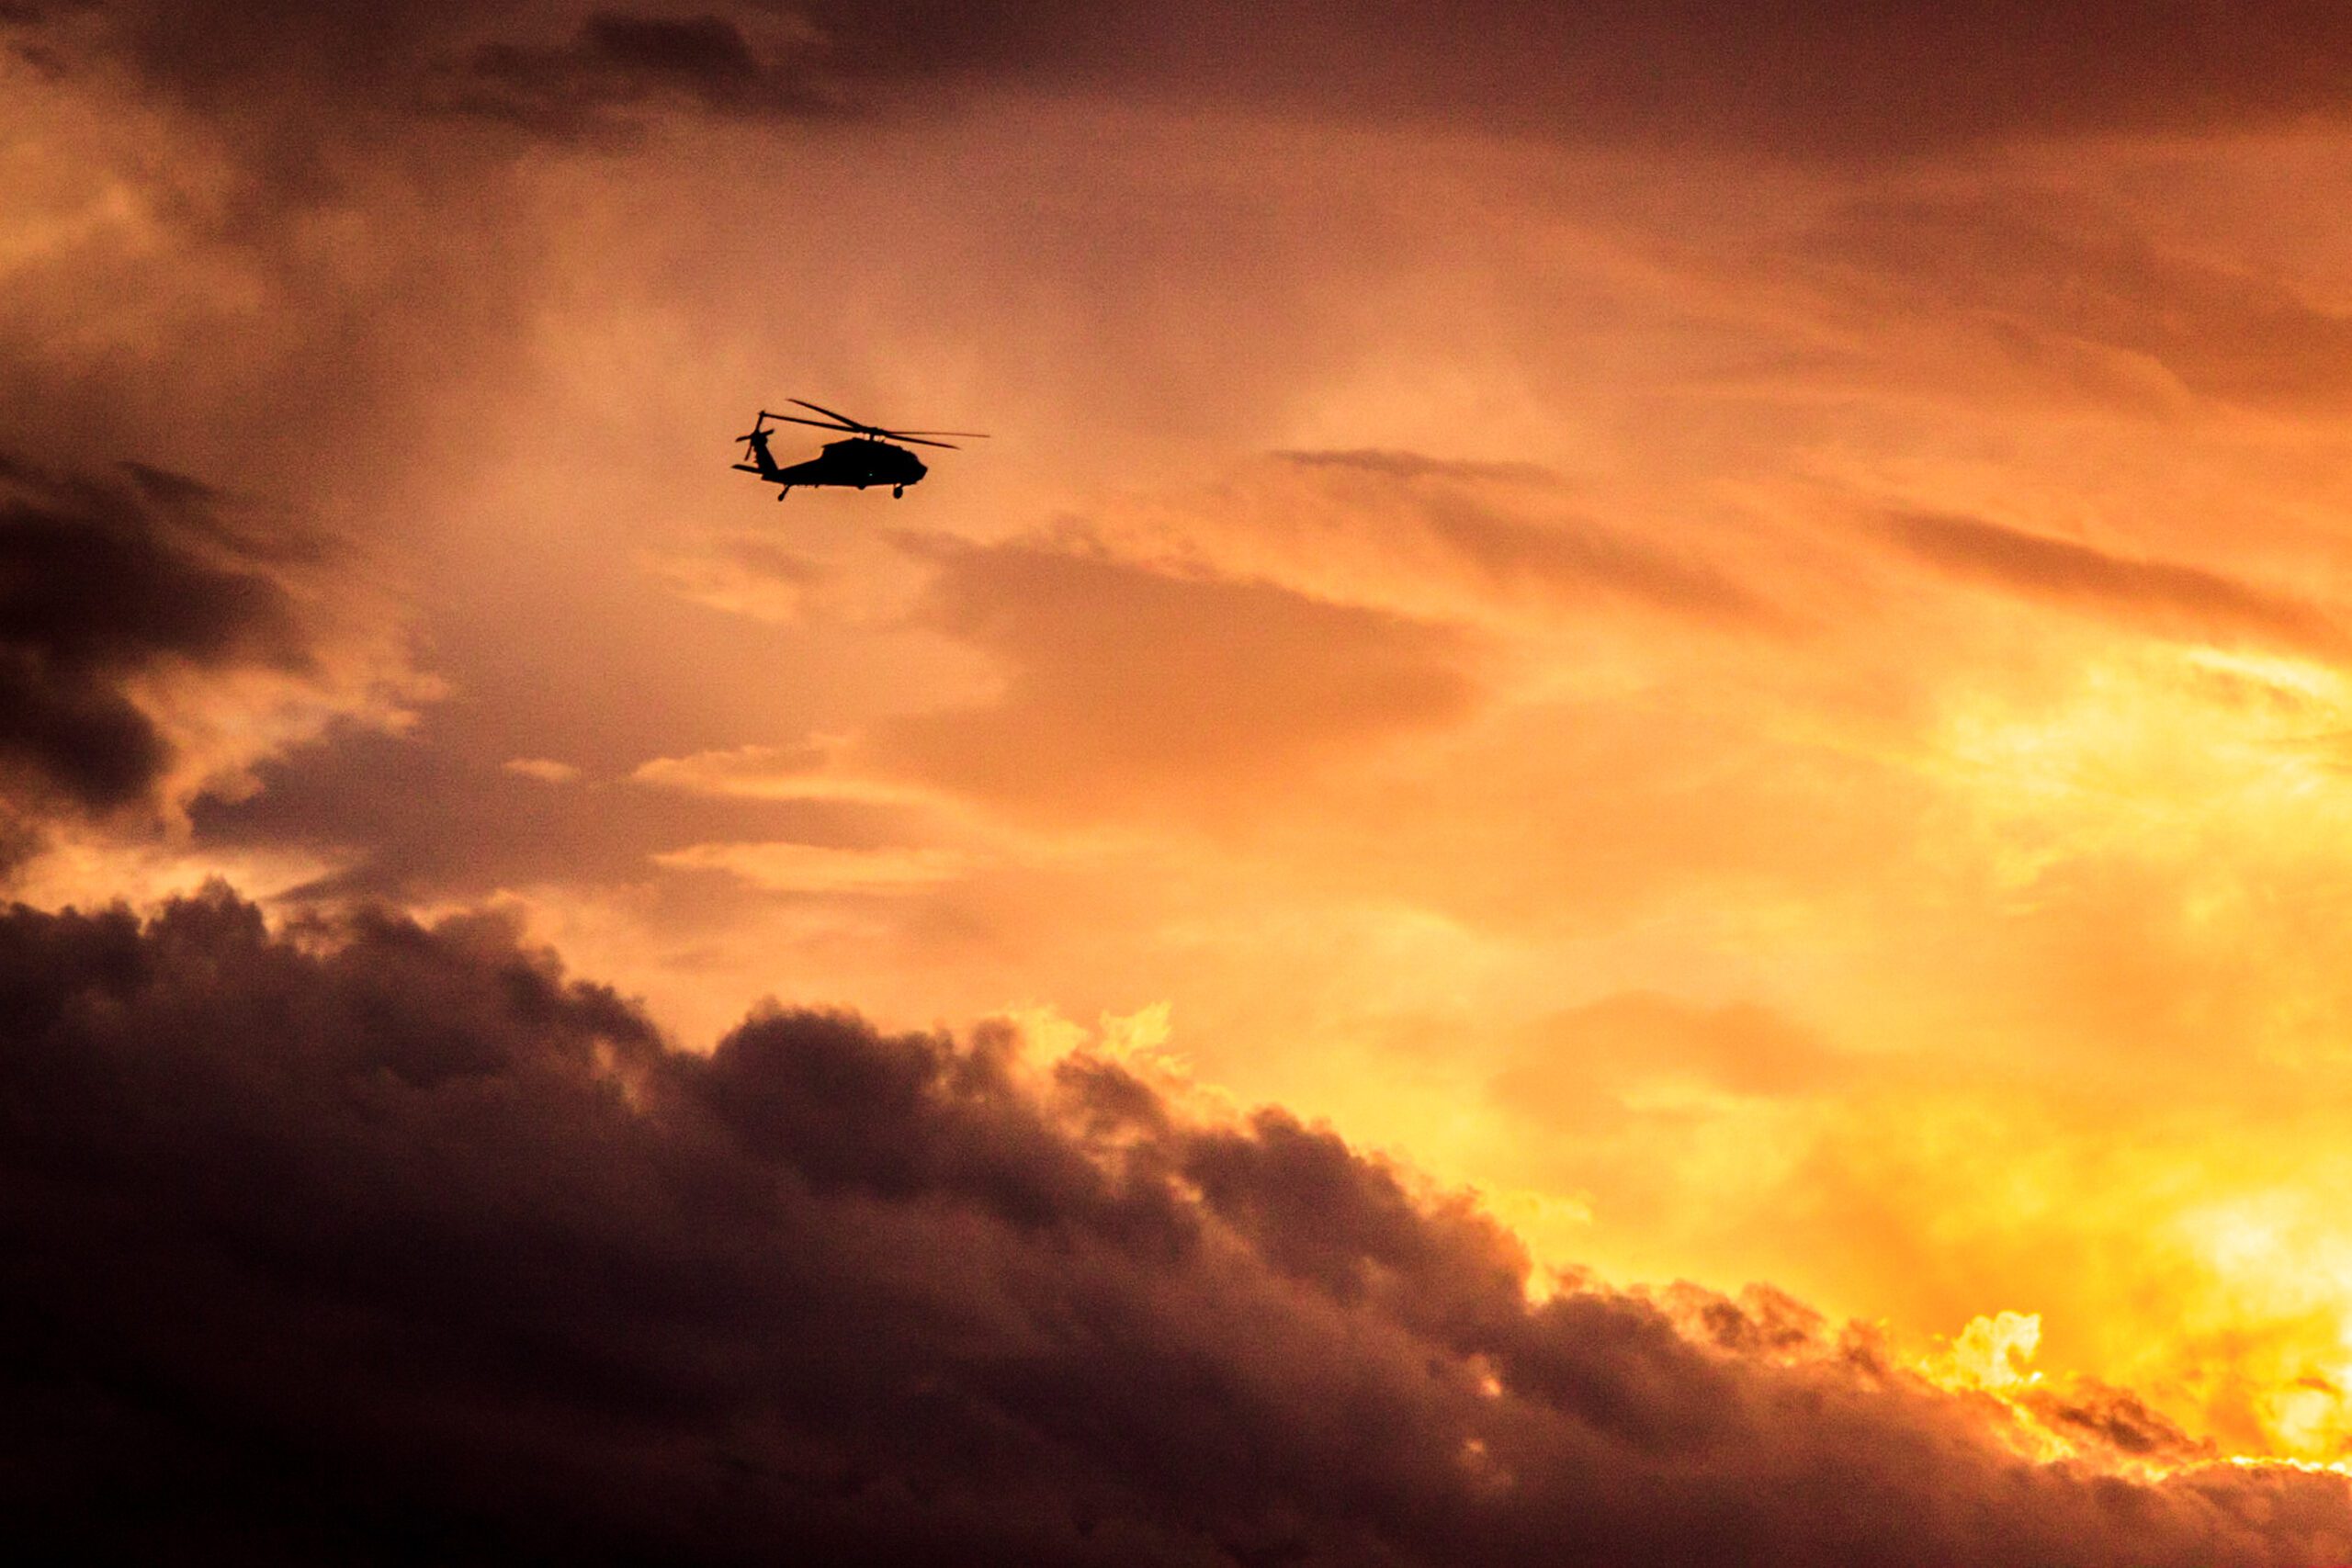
[{"x": 2169, "y": 595}]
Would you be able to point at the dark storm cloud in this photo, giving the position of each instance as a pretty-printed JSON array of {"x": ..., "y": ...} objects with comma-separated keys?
[
  {"x": 618, "y": 60},
  {"x": 377, "y": 73},
  {"x": 1812, "y": 77},
  {"x": 1809, "y": 76},
  {"x": 704, "y": 49},
  {"x": 242, "y": 257},
  {"x": 2165, "y": 596},
  {"x": 104, "y": 583},
  {"x": 393, "y": 1246}
]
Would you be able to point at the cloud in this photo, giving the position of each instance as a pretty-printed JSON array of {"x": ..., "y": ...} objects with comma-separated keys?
[
  {"x": 353, "y": 799},
  {"x": 171, "y": 289},
  {"x": 1488, "y": 542},
  {"x": 811, "y": 771},
  {"x": 703, "y": 49},
  {"x": 1399, "y": 464},
  {"x": 2116, "y": 1420},
  {"x": 748, "y": 575},
  {"x": 1576, "y": 1067},
  {"x": 1123, "y": 681},
  {"x": 102, "y": 583},
  {"x": 620, "y": 62},
  {"x": 820, "y": 869},
  {"x": 2042, "y": 273},
  {"x": 1816, "y": 79},
  {"x": 391, "y": 1244},
  {"x": 1574, "y": 555},
  {"x": 2163, "y": 595},
  {"x": 547, "y": 770},
  {"x": 156, "y": 638},
  {"x": 405, "y": 70}
]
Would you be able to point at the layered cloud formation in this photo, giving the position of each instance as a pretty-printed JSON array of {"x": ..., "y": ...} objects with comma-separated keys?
[
  {"x": 391, "y": 1244},
  {"x": 1823, "y": 77}
]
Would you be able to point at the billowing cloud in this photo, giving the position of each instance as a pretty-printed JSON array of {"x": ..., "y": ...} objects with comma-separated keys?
[
  {"x": 155, "y": 638},
  {"x": 391, "y": 1244},
  {"x": 104, "y": 583}
]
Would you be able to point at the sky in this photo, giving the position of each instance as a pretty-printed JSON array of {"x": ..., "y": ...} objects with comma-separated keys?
[{"x": 1612, "y": 824}]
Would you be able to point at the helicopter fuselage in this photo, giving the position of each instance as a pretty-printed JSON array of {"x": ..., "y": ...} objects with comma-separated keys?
[{"x": 860, "y": 461}]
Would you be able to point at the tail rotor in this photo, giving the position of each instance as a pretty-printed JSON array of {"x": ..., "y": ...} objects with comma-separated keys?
[{"x": 755, "y": 447}]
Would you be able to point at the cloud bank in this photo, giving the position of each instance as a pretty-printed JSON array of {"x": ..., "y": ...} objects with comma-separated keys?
[
  {"x": 1818, "y": 77},
  {"x": 384, "y": 1244}
]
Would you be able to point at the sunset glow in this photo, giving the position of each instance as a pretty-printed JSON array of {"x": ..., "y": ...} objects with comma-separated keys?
[{"x": 1724, "y": 646}]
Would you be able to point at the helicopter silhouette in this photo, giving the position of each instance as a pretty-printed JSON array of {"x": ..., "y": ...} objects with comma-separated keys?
[{"x": 866, "y": 458}]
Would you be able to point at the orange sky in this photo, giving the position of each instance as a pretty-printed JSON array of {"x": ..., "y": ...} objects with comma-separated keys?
[{"x": 1772, "y": 693}]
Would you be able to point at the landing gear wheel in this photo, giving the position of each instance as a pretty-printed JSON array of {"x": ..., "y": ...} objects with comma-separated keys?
[{"x": 897, "y": 492}]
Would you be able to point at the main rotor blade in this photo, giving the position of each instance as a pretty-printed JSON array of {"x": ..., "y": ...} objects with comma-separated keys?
[
  {"x": 845, "y": 419},
  {"x": 919, "y": 441},
  {"x": 845, "y": 429},
  {"x": 910, "y": 435}
]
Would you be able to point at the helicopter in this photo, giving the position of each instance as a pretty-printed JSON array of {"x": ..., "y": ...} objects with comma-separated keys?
[{"x": 866, "y": 458}]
